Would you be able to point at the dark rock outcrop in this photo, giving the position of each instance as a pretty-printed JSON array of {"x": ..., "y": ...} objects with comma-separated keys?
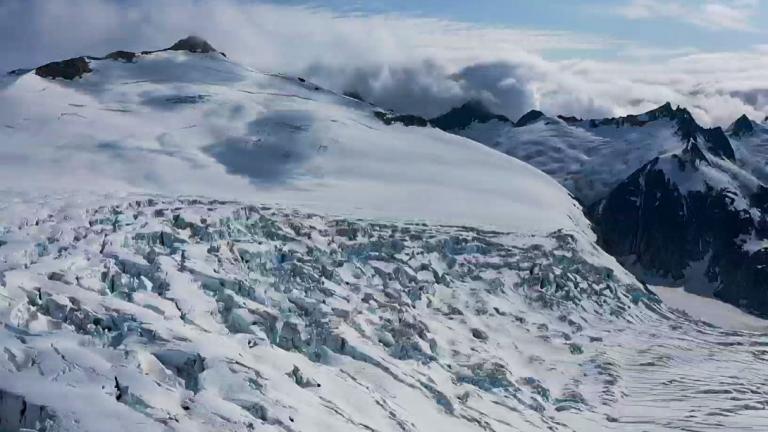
[
  {"x": 19, "y": 72},
  {"x": 389, "y": 119},
  {"x": 569, "y": 119},
  {"x": 741, "y": 127},
  {"x": 718, "y": 143},
  {"x": 125, "y": 56},
  {"x": 354, "y": 95},
  {"x": 529, "y": 117},
  {"x": 192, "y": 44},
  {"x": 651, "y": 222},
  {"x": 65, "y": 69},
  {"x": 78, "y": 66},
  {"x": 462, "y": 117}
]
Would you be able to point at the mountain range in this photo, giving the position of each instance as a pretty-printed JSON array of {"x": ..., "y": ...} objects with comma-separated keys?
[{"x": 674, "y": 201}]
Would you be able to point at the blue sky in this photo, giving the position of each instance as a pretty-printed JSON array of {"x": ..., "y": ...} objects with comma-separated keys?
[{"x": 674, "y": 25}]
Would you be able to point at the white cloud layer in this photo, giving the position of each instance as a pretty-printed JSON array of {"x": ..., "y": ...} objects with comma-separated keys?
[
  {"x": 717, "y": 15},
  {"x": 411, "y": 64}
]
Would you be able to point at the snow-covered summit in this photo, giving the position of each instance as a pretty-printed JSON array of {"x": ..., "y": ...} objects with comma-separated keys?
[
  {"x": 591, "y": 156},
  {"x": 188, "y": 120}
]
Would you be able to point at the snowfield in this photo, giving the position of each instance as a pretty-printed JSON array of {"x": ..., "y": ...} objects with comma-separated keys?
[
  {"x": 587, "y": 161},
  {"x": 183, "y": 123},
  {"x": 190, "y": 245}
]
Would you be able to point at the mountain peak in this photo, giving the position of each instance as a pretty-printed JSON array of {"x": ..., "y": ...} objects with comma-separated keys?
[
  {"x": 742, "y": 126},
  {"x": 473, "y": 111},
  {"x": 529, "y": 117},
  {"x": 663, "y": 111},
  {"x": 194, "y": 44}
]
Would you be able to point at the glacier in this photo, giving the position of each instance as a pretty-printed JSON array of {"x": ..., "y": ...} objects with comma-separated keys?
[{"x": 187, "y": 244}]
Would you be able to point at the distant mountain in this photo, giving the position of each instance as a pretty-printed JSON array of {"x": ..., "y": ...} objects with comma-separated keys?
[
  {"x": 673, "y": 200},
  {"x": 692, "y": 216},
  {"x": 462, "y": 117},
  {"x": 743, "y": 126}
]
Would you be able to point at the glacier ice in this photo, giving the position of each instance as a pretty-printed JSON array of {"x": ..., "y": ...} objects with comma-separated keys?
[{"x": 199, "y": 315}]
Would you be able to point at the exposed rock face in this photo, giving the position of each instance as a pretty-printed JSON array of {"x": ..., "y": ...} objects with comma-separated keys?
[
  {"x": 569, "y": 119},
  {"x": 193, "y": 44},
  {"x": 66, "y": 69},
  {"x": 741, "y": 127},
  {"x": 125, "y": 56},
  {"x": 79, "y": 66},
  {"x": 529, "y": 117},
  {"x": 389, "y": 118},
  {"x": 462, "y": 117},
  {"x": 667, "y": 228},
  {"x": 713, "y": 140},
  {"x": 718, "y": 143}
]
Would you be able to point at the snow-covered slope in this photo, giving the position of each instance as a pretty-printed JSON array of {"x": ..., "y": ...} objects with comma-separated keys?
[
  {"x": 177, "y": 122},
  {"x": 590, "y": 157},
  {"x": 750, "y": 142}
]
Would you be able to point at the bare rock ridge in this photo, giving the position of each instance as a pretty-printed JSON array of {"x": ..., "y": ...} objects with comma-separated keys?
[
  {"x": 741, "y": 127},
  {"x": 78, "y": 66},
  {"x": 65, "y": 69},
  {"x": 529, "y": 118},
  {"x": 463, "y": 116}
]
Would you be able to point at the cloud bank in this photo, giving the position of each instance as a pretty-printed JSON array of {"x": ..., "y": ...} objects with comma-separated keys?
[
  {"x": 736, "y": 15},
  {"x": 411, "y": 64}
]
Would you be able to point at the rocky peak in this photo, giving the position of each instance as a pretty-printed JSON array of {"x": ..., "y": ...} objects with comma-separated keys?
[
  {"x": 741, "y": 127},
  {"x": 692, "y": 156},
  {"x": 714, "y": 140},
  {"x": 529, "y": 118},
  {"x": 462, "y": 117},
  {"x": 718, "y": 143},
  {"x": 65, "y": 69},
  {"x": 194, "y": 44},
  {"x": 664, "y": 111}
]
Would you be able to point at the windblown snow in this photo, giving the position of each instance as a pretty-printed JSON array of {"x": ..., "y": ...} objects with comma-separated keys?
[{"x": 190, "y": 245}]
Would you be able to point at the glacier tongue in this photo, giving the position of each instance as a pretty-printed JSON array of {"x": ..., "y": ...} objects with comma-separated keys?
[{"x": 155, "y": 314}]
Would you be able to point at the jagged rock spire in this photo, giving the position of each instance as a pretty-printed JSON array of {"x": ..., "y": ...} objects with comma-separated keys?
[
  {"x": 462, "y": 117},
  {"x": 529, "y": 117},
  {"x": 742, "y": 126}
]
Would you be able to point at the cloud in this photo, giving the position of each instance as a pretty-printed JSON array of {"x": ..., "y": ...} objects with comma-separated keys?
[
  {"x": 261, "y": 34},
  {"x": 411, "y": 64},
  {"x": 430, "y": 89},
  {"x": 714, "y": 15}
]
